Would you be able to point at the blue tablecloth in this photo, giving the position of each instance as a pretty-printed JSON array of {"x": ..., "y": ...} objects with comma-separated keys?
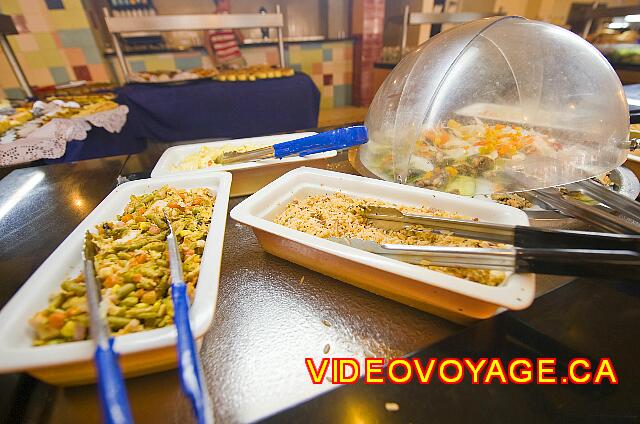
[
  {"x": 209, "y": 108},
  {"x": 101, "y": 143}
]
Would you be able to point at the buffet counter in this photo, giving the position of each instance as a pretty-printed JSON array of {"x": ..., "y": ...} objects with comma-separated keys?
[
  {"x": 222, "y": 109},
  {"x": 198, "y": 109},
  {"x": 272, "y": 313}
]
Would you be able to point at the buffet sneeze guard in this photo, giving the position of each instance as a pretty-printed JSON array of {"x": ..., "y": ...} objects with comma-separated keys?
[{"x": 120, "y": 25}]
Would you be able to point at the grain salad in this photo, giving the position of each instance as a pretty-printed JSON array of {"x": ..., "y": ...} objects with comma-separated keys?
[
  {"x": 208, "y": 157},
  {"x": 132, "y": 267},
  {"x": 340, "y": 215}
]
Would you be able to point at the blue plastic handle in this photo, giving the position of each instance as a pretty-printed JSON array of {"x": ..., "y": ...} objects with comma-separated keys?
[
  {"x": 330, "y": 140},
  {"x": 190, "y": 373},
  {"x": 111, "y": 387}
]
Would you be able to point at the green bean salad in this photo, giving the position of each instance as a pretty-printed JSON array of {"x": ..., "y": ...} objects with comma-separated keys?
[{"x": 132, "y": 267}]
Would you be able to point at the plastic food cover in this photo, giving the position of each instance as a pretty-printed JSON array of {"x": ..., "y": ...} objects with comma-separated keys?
[{"x": 497, "y": 105}]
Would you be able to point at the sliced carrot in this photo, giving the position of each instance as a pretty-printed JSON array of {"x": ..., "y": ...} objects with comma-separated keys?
[
  {"x": 127, "y": 217},
  {"x": 451, "y": 171},
  {"x": 56, "y": 320},
  {"x": 110, "y": 281}
]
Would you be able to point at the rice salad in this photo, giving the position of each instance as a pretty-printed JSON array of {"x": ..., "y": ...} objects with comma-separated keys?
[{"x": 340, "y": 215}]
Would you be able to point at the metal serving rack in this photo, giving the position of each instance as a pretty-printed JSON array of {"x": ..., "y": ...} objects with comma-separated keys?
[
  {"x": 7, "y": 27},
  {"x": 423, "y": 18},
  {"x": 120, "y": 25}
]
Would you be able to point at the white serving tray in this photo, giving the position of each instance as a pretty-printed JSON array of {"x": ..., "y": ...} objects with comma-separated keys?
[
  {"x": 174, "y": 155},
  {"x": 411, "y": 284},
  {"x": 59, "y": 363}
]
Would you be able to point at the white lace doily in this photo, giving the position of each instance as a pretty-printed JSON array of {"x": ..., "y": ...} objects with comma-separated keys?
[
  {"x": 50, "y": 140},
  {"x": 111, "y": 120}
]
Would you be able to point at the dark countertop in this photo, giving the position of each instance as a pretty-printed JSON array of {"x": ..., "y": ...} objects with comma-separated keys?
[
  {"x": 588, "y": 318},
  {"x": 267, "y": 321}
]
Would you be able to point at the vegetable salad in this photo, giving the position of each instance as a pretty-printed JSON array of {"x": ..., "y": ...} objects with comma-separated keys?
[
  {"x": 132, "y": 267},
  {"x": 452, "y": 156}
]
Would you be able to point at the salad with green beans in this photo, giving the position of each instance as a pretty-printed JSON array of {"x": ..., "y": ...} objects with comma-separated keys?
[{"x": 132, "y": 267}]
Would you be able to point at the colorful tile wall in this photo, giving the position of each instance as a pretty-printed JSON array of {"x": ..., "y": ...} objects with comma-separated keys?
[
  {"x": 329, "y": 64},
  {"x": 54, "y": 45}
]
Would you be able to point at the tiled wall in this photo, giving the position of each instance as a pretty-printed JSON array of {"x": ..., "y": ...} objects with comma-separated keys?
[
  {"x": 55, "y": 44},
  {"x": 329, "y": 64}
]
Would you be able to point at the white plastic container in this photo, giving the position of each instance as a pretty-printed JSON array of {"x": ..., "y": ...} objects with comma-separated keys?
[
  {"x": 140, "y": 353},
  {"x": 248, "y": 177},
  {"x": 445, "y": 295}
]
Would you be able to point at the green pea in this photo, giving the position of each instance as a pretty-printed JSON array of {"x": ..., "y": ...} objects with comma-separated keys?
[
  {"x": 117, "y": 323},
  {"x": 125, "y": 290}
]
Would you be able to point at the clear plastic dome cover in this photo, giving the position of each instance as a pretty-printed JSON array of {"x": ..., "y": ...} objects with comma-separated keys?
[{"x": 497, "y": 105}]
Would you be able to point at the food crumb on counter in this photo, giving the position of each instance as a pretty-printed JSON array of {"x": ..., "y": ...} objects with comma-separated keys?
[
  {"x": 391, "y": 406},
  {"x": 302, "y": 280},
  {"x": 326, "y": 349},
  {"x": 326, "y": 323}
]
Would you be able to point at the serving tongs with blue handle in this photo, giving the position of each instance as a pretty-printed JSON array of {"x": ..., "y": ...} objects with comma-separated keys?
[
  {"x": 558, "y": 252},
  {"x": 339, "y": 139},
  {"x": 111, "y": 387},
  {"x": 191, "y": 377}
]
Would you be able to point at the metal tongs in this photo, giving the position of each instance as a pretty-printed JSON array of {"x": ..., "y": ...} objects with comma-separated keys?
[
  {"x": 339, "y": 139},
  {"x": 191, "y": 377},
  {"x": 559, "y": 252},
  {"x": 594, "y": 215},
  {"x": 111, "y": 387}
]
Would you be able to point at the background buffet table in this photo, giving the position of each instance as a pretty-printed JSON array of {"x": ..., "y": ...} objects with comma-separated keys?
[
  {"x": 210, "y": 108},
  {"x": 200, "y": 110}
]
